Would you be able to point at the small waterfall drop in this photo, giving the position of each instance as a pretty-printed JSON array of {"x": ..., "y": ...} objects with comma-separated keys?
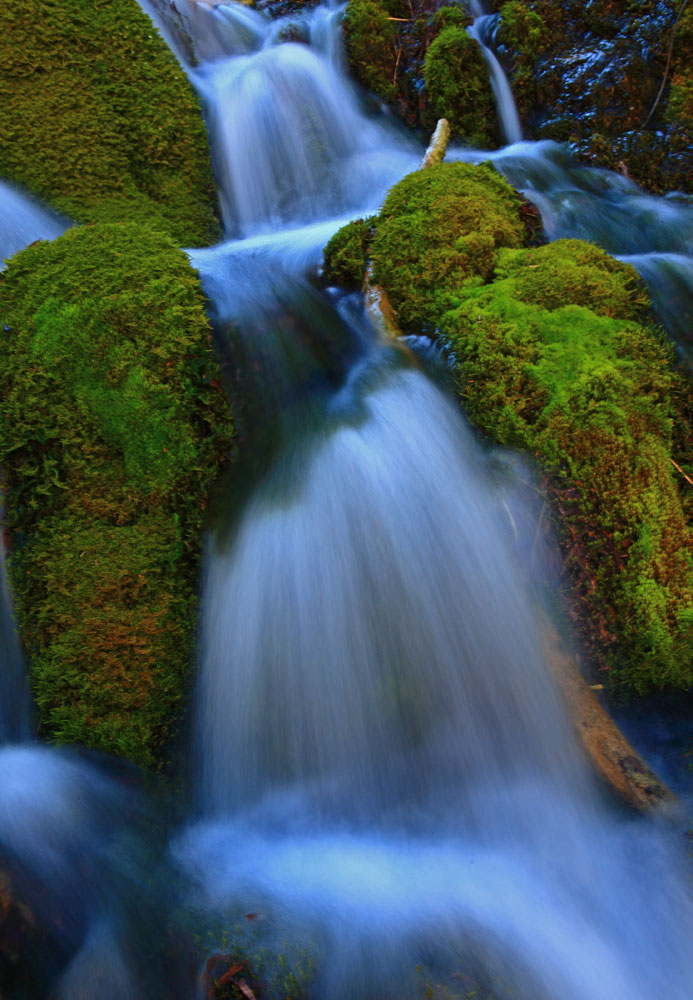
[
  {"x": 23, "y": 220},
  {"x": 505, "y": 102},
  {"x": 291, "y": 144}
]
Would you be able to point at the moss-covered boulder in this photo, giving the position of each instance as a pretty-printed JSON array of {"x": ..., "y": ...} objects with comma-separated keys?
[
  {"x": 591, "y": 74},
  {"x": 113, "y": 428},
  {"x": 98, "y": 119},
  {"x": 346, "y": 254},
  {"x": 369, "y": 36},
  {"x": 555, "y": 353},
  {"x": 458, "y": 87},
  {"x": 556, "y": 356},
  {"x": 438, "y": 228}
]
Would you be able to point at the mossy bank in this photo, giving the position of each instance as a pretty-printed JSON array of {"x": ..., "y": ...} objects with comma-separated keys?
[
  {"x": 113, "y": 429},
  {"x": 555, "y": 353},
  {"x": 99, "y": 121}
]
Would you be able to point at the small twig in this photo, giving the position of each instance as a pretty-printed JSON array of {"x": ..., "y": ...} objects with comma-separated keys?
[
  {"x": 666, "y": 70},
  {"x": 678, "y": 467},
  {"x": 405, "y": 18},
  {"x": 399, "y": 56}
]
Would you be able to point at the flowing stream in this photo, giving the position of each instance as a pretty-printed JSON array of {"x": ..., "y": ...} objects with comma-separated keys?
[
  {"x": 385, "y": 775},
  {"x": 387, "y": 783}
]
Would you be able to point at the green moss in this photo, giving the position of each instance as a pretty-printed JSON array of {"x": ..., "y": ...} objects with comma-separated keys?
[
  {"x": 458, "y": 87},
  {"x": 369, "y": 41},
  {"x": 346, "y": 254},
  {"x": 521, "y": 29},
  {"x": 113, "y": 430},
  {"x": 102, "y": 130},
  {"x": 438, "y": 228},
  {"x": 576, "y": 380}
]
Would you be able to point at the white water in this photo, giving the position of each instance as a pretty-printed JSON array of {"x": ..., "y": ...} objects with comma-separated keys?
[
  {"x": 505, "y": 102},
  {"x": 23, "y": 220},
  {"x": 385, "y": 774},
  {"x": 290, "y": 143}
]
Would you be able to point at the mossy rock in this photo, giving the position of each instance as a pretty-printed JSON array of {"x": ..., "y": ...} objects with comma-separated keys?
[
  {"x": 398, "y": 51},
  {"x": 556, "y": 353},
  {"x": 346, "y": 254},
  {"x": 99, "y": 120},
  {"x": 114, "y": 427},
  {"x": 369, "y": 37},
  {"x": 555, "y": 356},
  {"x": 458, "y": 86},
  {"x": 438, "y": 228}
]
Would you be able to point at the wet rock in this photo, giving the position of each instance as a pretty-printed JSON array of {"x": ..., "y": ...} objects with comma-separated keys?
[{"x": 591, "y": 74}]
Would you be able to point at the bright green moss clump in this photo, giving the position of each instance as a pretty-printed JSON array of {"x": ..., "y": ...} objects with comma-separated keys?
[
  {"x": 552, "y": 359},
  {"x": 98, "y": 119},
  {"x": 346, "y": 254},
  {"x": 556, "y": 354},
  {"x": 113, "y": 428},
  {"x": 457, "y": 81},
  {"x": 438, "y": 228}
]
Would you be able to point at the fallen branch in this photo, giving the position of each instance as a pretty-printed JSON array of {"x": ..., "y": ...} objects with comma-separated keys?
[
  {"x": 437, "y": 146},
  {"x": 379, "y": 309},
  {"x": 604, "y": 745},
  {"x": 679, "y": 469}
]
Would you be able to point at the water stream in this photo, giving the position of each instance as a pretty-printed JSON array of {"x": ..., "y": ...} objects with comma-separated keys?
[
  {"x": 23, "y": 220},
  {"x": 386, "y": 780},
  {"x": 385, "y": 775}
]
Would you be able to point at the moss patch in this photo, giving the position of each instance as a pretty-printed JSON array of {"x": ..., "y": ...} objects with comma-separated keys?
[
  {"x": 113, "y": 429},
  {"x": 575, "y": 379},
  {"x": 346, "y": 254},
  {"x": 457, "y": 80},
  {"x": 556, "y": 354},
  {"x": 438, "y": 228},
  {"x": 98, "y": 119},
  {"x": 370, "y": 46}
]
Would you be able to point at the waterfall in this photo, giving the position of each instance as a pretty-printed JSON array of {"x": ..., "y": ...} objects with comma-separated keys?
[
  {"x": 505, "y": 102},
  {"x": 23, "y": 220},
  {"x": 290, "y": 142},
  {"x": 379, "y": 524},
  {"x": 385, "y": 777}
]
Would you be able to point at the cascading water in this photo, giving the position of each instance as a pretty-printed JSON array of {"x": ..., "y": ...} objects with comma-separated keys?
[
  {"x": 505, "y": 102},
  {"x": 386, "y": 777},
  {"x": 385, "y": 773},
  {"x": 22, "y": 221}
]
